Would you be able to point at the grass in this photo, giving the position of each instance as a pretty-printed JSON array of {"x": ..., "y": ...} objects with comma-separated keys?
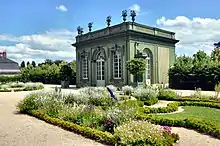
[{"x": 203, "y": 113}]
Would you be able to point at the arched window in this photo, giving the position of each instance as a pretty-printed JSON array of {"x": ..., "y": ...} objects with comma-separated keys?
[
  {"x": 100, "y": 67},
  {"x": 85, "y": 67},
  {"x": 117, "y": 72}
]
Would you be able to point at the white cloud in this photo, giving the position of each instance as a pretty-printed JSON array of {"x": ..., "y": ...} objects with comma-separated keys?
[
  {"x": 136, "y": 8},
  {"x": 194, "y": 34},
  {"x": 61, "y": 8},
  {"x": 54, "y": 44}
]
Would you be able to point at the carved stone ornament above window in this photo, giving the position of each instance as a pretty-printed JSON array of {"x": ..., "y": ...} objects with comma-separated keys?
[
  {"x": 84, "y": 53},
  {"x": 116, "y": 48}
]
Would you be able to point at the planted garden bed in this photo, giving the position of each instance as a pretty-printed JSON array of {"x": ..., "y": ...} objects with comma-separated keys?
[{"x": 20, "y": 86}]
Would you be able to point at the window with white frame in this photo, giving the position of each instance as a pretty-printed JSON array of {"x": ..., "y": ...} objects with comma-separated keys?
[
  {"x": 148, "y": 69},
  {"x": 117, "y": 71},
  {"x": 85, "y": 67}
]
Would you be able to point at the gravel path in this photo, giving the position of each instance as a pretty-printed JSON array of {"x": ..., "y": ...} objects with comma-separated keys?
[
  {"x": 193, "y": 138},
  {"x": 23, "y": 130}
]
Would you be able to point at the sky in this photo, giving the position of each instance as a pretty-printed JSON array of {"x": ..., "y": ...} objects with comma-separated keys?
[{"x": 45, "y": 29}]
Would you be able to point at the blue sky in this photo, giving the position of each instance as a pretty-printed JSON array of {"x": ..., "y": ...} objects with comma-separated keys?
[{"x": 40, "y": 29}]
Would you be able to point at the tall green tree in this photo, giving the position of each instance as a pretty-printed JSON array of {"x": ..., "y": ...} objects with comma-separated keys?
[
  {"x": 28, "y": 63},
  {"x": 215, "y": 55},
  {"x": 22, "y": 64},
  {"x": 33, "y": 63}
]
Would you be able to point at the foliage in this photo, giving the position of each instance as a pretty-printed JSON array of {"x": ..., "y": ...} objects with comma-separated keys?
[
  {"x": 123, "y": 112},
  {"x": 171, "y": 107},
  {"x": 22, "y": 64},
  {"x": 47, "y": 72},
  {"x": 167, "y": 95},
  {"x": 142, "y": 133},
  {"x": 215, "y": 55},
  {"x": 104, "y": 137},
  {"x": 65, "y": 72},
  {"x": 146, "y": 95},
  {"x": 192, "y": 123},
  {"x": 217, "y": 89},
  {"x": 208, "y": 114},
  {"x": 128, "y": 90},
  {"x": 198, "y": 71},
  {"x": 33, "y": 63},
  {"x": 7, "y": 79},
  {"x": 136, "y": 66},
  {"x": 20, "y": 86}
]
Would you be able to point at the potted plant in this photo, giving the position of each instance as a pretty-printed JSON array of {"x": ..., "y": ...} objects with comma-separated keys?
[{"x": 65, "y": 74}]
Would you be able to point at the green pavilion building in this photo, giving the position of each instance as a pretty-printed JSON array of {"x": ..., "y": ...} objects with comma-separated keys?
[{"x": 101, "y": 55}]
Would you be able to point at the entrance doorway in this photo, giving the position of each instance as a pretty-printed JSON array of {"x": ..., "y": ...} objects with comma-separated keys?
[{"x": 100, "y": 71}]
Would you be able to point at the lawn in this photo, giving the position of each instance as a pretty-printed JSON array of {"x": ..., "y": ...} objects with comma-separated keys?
[{"x": 204, "y": 113}]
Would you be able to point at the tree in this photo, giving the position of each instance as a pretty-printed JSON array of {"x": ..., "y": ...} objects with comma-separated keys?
[
  {"x": 33, "y": 63},
  {"x": 215, "y": 55},
  {"x": 28, "y": 63},
  {"x": 48, "y": 61},
  {"x": 136, "y": 67},
  {"x": 65, "y": 72},
  {"x": 22, "y": 64}
]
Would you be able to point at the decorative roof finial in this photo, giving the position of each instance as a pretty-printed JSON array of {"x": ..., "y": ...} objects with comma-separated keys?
[
  {"x": 80, "y": 30},
  {"x": 108, "y": 20},
  {"x": 90, "y": 26},
  {"x": 133, "y": 15},
  {"x": 124, "y": 15}
]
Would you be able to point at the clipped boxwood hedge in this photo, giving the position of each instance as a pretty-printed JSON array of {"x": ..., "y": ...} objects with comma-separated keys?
[
  {"x": 204, "y": 104},
  {"x": 171, "y": 107},
  {"x": 103, "y": 137},
  {"x": 191, "y": 123}
]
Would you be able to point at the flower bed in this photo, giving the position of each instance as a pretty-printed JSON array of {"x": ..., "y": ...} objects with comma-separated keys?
[
  {"x": 20, "y": 86},
  {"x": 93, "y": 113}
]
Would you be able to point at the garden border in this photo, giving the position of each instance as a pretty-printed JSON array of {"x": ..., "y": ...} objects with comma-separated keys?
[
  {"x": 99, "y": 136},
  {"x": 191, "y": 123}
]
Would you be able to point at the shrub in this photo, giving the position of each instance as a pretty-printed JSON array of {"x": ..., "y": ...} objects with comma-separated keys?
[
  {"x": 123, "y": 112},
  {"x": 171, "y": 107},
  {"x": 192, "y": 123},
  {"x": 76, "y": 98},
  {"x": 29, "y": 103},
  {"x": 167, "y": 95},
  {"x": 46, "y": 101},
  {"x": 147, "y": 95},
  {"x": 33, "y": 86},
  {"x": 97, "y": 96},
  {"x": 143, "y": 133},
  {"x": 16, "y": 84},
  {"x": 151, "y": 101},
  {"x": 127, "y": 90}
]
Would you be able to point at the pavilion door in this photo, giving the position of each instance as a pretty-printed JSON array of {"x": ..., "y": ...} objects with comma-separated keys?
[{"x": 100, "y": 72}]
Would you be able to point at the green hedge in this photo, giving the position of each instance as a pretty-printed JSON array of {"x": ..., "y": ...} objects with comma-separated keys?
[
  {"x": 200, "y": 125},
  {"x": 103, "y": 137},
  {"x": 6, "y": 79},
  {"x": 204, "y": 104},
  {"x": 171, "y": 107},
  {"x": 151, "y": 101}
]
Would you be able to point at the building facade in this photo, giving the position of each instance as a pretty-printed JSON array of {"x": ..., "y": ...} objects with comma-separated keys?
[
  {"x": 101, "y": 55},
  {"x": 7, "y": 66}
]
